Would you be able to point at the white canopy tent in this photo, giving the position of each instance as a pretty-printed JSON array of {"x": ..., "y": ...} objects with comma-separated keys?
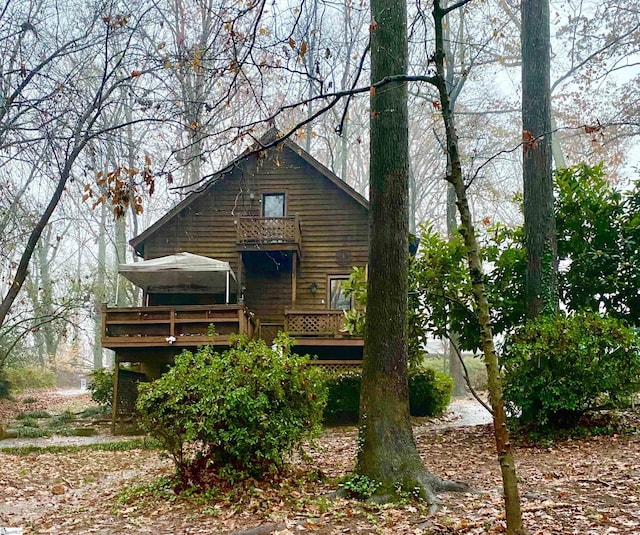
[{"x": 180, "y": 273}]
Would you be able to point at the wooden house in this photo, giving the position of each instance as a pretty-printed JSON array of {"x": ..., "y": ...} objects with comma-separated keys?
[{"x": 285, "y": 231}]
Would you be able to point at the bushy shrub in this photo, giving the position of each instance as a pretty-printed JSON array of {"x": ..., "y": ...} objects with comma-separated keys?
[
  {"x": 555, "y": 369},
  {"x": 429, "y": 395},
  {"x": 233, "y": 414},
  {"x": 429, "y": 392},
  {"x": 101, "y": 387},
  {"x": 28, "y": 378},
  {"x": 343, "y": 399}
]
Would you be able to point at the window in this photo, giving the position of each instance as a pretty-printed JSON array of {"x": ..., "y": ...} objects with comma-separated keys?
[
  {"x": 273, "y": 205},
  {"x": 337, "y": 299}
]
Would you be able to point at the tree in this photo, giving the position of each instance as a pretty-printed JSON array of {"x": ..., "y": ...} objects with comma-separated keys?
[
  {"x": 53, "y": 101},
  {"x": 456, "y": 179},
  {"x": 539, "y": 222},
  {"x": 388, "y": 452}
]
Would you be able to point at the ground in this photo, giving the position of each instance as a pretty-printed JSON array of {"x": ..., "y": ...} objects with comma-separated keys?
[{"x": 587, "y": 486}]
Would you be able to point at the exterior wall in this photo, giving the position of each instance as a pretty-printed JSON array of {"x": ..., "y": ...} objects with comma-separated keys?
[{"x": 334, "y": 229}]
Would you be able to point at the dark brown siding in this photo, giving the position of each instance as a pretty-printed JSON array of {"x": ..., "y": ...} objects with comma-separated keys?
[{"x": 334, "y": 229}]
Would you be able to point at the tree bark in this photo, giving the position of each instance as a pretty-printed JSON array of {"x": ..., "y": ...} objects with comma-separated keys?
[
  {"x": 456, "y": 179},
  {"x": 387, "y": 452},
  {"x": 539, "y": 221}
]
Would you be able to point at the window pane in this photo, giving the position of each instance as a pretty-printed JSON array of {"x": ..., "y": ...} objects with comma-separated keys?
[
  {"x": 338, "y": 301},
  {"x": 273, "y": 205}
]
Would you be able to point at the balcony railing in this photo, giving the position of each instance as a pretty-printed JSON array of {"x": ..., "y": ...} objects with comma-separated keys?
[
  {"x": 269, "y": 230},
  {"x": 315, "y": 323},
  {"x": 163, "y": 326}
]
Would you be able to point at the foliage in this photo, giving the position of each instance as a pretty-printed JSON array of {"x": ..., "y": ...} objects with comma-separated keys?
[
  {"x": 33, "y": 414},
  {"x": 429, "y": 395},
  {"x": 435, "y": 275},
  {"x": 598, "y": 248},
  {"x": 101, "y": 386},
  {"x": 556, "y": 368},
  {"x": 28, "y": 378},
  {"x": 356, "y": 287},
  {"x": 233, "y": 414},
  {"x": 359, "y": 486},
  {"x": 599, "y": 240},
  {"x": 343, "y": 398},
  {"x": 429, "y": 392}
]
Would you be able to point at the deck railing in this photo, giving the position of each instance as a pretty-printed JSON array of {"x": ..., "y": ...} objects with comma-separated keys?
[
  {"x": 182, "y": 325},
  {"x": 315, "y": 323},
  {"x": 266, "y": 230}
]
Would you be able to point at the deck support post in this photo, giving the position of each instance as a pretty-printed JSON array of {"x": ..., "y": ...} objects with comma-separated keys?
[
  {"x": 114, "y": 401},
  {"x": 294, "y": 278}
]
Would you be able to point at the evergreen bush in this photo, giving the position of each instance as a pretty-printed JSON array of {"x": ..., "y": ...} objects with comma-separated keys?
[
  {"x": 557, "y": 368},
  {"x": 101, "y": 387},
  {"x": 429, "y": 392},
  {"x": 237, "y": 413},
  {"x": 429, "y": 395}
]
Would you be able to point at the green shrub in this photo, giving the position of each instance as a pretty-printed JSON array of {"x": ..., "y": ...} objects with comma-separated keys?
[
  {"x": 429, "y": 392},
  {"x": 429, "y": 395},
  {"x": 29, "y": 378},
  {"x": 343, "y": 399},
  {"x": 101, "y": 387},
  {"x": 233, "y": 414},
  {"x": 556, "y": 369}
]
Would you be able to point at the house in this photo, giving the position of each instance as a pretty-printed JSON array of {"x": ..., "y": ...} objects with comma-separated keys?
[{"x": 263, "y": 246}]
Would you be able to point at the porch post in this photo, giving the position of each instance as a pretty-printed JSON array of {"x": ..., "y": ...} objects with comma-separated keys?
[
  {"x": 114, "y": 401},
  {"x": 239, "y": 278},
  {"x": 294, "y": 279}
]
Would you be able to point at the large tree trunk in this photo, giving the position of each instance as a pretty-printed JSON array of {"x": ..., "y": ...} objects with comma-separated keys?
[
  {"x": 456, "y": 179},
  {"x": 388, "y": 452},
  {"x": 539, "y": 221}
]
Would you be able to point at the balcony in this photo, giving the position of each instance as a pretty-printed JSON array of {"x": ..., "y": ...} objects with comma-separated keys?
[
  {"x": 269, "y": 234},
  {"x": 173, "y": 326},
  {"x": 319, "y": 327}
]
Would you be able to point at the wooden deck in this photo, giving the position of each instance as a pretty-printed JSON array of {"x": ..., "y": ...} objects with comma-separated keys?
[{"x": 179, "y": 326}]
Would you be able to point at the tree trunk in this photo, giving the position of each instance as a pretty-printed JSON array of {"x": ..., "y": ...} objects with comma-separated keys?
[
  {"x": 388, "y": 452},
  {"x": 100, "y": 290},
  {"x": 539, "y": 221},
  {"x": 455, "y": 366},
  {"x": 456, "y": 179}
]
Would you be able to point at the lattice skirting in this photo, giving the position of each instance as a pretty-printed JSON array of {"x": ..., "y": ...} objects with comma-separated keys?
[{"x": 128, "y": 391}]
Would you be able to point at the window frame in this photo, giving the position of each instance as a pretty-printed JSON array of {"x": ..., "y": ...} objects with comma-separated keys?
[
  {"x": 282, "y": 194},
  {"x": 341, "y": 278}
]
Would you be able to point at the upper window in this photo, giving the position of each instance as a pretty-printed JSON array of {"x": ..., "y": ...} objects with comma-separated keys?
[
  {"x": 273, "y": 205},
  {"x": 337, "y": 299}
]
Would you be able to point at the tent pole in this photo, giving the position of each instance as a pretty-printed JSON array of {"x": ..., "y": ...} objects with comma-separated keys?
[
  {"x": 227, "y": 293},
  {"x": 117, "y": 287}
]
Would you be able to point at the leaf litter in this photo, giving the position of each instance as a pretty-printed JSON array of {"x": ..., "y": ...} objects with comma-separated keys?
[{"x": 587, "y": 486}]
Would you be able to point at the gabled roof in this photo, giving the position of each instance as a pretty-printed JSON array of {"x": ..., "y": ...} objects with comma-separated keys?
[{"x": 267, "y": 142}]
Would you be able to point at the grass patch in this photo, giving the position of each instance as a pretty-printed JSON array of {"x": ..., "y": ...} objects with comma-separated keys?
[
  {"x": 125, "y": 445},
  {"x": 92, "y": 412},
  {"x": 27, "y": 421},
  {"x": 33, "y": 414},
  {"x": 32, "y": 432},
  {"x": 159, "y": 488}
]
